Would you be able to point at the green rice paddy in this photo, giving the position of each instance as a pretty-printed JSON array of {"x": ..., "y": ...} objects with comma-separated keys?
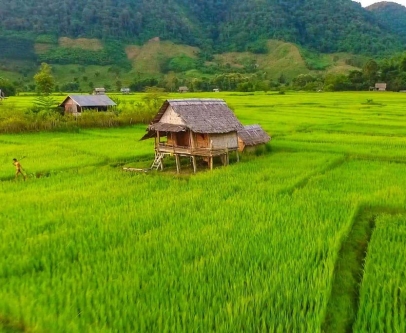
[{"x": 252, "y": 247}]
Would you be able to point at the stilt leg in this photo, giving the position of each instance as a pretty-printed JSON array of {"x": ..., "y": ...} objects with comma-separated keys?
[
  {"x": 194, "y": 163},
  {"x": 177, "y": 163}
]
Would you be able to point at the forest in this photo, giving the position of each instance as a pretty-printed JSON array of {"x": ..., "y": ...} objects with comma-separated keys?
[{"x": 226, "y": 25}]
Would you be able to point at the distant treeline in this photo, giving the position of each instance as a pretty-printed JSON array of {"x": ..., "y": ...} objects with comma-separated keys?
[{"x": 391, "y": 71}]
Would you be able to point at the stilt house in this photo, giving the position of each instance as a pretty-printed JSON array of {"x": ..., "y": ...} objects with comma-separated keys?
[
  {"x": 251, "y": 136},
  {"x": 194, "y": 128},
  {"x": 76, "y": 104}
]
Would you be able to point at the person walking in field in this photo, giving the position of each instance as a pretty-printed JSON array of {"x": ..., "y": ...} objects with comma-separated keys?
[{"x": 19, "y": 168}]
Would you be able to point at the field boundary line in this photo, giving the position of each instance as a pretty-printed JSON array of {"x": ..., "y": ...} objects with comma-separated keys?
[
  {"x": 338, "y": 162},
  {"x": 343, "y": 304}
]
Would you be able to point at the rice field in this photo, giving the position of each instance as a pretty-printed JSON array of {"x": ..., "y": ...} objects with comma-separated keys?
[{"x": 252, "y": 247}]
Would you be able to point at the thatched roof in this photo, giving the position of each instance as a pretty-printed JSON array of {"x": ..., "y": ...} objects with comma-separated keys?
[
  {"x": 90, "y": 100},
  {"x": 253, "y": 135},
  {"x": 164, "y": 127},
  {"x": 199, "y": 115}
]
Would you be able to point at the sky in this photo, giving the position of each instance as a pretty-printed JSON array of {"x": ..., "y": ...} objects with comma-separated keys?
[{"x": 366, "y": 3}]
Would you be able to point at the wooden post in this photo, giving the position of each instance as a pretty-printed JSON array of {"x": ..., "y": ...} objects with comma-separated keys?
[
  {"x": 211, "y": 156},
  {"x": 177, "y": 163},
  {"x": 194, "y": 163},
  {"x": 226, "y": 157},
  {"x": 191, "y": 140},
  {"x": 238, "y": 156}
]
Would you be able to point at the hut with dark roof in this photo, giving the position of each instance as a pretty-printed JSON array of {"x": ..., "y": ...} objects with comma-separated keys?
[
  {"x": 195, "y": 128},
  {"x": 252, "y": 136},
  {"x": 76, "y": 104}
]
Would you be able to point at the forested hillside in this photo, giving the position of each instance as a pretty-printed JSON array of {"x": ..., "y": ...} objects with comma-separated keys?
[
  {"x": 227, "y": 25},
  {"x": 391, "y": 15}
]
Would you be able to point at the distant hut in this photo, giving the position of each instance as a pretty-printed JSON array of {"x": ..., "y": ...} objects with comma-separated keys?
[
  {"x": 194, "y": 128},
  {"x": 99, "y": 91},
  {"x": 2, "y": 95},
  {"x": 251, "y": 136},
  {"x": 216, "y": 90},
  {"x": 380, "y": 87},
  {"x": 125, "y": 91},
  {"x": 76, "y": 104},
  {"x": 183, "y": 89}
]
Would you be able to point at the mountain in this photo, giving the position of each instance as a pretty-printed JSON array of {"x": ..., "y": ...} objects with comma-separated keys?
[
  {"x": 391, "y": 15},
  {"x": 212, "y": 25}
]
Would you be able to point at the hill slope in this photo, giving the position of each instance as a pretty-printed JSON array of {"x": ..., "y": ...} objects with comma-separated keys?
[
  {"x": 228, "y": 25},
  {"x": 391, "y": 15}
]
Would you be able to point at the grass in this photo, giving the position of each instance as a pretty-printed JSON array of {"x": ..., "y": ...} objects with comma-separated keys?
[
  {"x": 343, "y": 305},
  {"x": 253, "y": 247}
]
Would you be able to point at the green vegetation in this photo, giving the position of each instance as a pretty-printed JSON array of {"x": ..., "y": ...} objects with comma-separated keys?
[
  {"x": 333, "y": 26},
  {"x": 343, "y": 304},
  {"x": 382, "y": 305},
  {"x": 32, "y": 113},
  {"x": 392, "y": 16},
  {"x": 158, "y": 41},
  {"x": 252, "y": 247}
]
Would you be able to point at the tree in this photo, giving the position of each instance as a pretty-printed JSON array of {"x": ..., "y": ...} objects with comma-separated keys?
[
  {"x": 7, "y": 87},
  {"x": 118, "y": 85},
  {"x": 370, "y": 71},
  {"x": 403, "y": 64},
  {"x": 44, "y": 80},
  {"x": 337, "y": 82}
]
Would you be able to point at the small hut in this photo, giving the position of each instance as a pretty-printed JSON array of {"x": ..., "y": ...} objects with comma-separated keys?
[
  {"x": 183, "y": 89},
  {"x": 125, "y": 91},
  {"x": 76, "y": 104},
  {"x": 216, "y": 90},
  {"x": 99, "y": 91},
  {"x": 380, "y": 87},
  {"x": 2, "y": 95},
  {"x": 195, "y": 128},
  {"x": 252, "y": 136}
]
